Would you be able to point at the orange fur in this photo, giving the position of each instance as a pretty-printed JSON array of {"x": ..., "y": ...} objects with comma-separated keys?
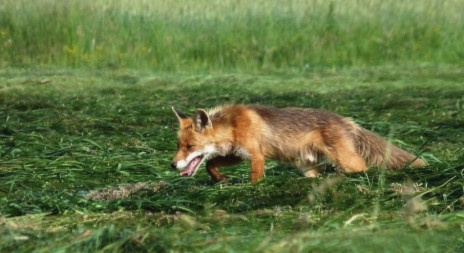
[{"x": 302, "y": 136}]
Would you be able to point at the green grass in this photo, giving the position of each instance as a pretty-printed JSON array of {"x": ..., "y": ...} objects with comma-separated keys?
[
  {"x": 65, "y": 133},
  {"x": 86, "y": 90},
  {"x": 257, "y": 36}
]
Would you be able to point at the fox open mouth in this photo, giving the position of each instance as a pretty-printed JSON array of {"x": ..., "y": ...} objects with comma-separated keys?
[{"x": 192, "y": 167}]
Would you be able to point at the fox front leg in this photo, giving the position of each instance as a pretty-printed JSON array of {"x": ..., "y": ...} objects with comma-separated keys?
[
  {"x": 257, "y": 168},
  {"x": 213, "y": 165}
]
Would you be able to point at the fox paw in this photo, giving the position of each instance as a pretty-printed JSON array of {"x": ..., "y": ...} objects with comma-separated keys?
[{"x": 312, "y": 173}]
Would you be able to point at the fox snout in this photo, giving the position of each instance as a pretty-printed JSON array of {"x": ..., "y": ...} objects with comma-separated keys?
[
  {"x": 175, "y": 161},
  {"x": 174, "y": 165}
]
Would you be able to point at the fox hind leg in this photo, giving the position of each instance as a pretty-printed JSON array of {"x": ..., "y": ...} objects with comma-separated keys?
[
  {"x": 351, "y": 163},
  {"x": 310, "y": 171},
  {"x": 345, "y": 156}
]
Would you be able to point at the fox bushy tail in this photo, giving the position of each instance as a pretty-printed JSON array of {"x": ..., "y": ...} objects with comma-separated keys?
[{"x": 380, "y": 153}]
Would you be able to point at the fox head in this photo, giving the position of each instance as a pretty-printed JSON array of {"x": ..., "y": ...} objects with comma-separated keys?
[{"x": 195, "y": 143}]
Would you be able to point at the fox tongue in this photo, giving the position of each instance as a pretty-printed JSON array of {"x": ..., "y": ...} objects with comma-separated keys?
[{"x": 191, "y": 167}]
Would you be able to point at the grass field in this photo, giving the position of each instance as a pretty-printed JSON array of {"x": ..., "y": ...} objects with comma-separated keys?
[
  {"x": 66, "y": 133},
  {"x": 259, "y": 36},
  {"x": 87, "y": 132}
]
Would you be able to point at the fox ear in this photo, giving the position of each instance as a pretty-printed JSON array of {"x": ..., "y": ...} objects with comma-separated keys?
[
  {"x": 184, "y": 120},
  {"x": 202, "y": 120}
]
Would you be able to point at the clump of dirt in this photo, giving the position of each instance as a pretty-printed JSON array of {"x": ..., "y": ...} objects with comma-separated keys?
[
  {"x": 406, "y": 189},
  {"x": 124, "y": 191}
]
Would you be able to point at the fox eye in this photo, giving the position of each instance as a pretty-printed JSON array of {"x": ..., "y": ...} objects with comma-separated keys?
[{"x": 189, "y": 146}]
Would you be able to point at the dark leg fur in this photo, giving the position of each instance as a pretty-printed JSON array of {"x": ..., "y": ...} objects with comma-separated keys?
[{"x": 213, "y": 165}]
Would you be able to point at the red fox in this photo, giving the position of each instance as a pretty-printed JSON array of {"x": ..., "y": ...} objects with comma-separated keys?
[{"x": 227, "y": 135}]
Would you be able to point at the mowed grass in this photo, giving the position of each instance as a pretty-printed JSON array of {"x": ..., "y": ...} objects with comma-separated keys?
[
  {"x": 66, "y": 133},
  {"x": 259, "y": 36}
]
